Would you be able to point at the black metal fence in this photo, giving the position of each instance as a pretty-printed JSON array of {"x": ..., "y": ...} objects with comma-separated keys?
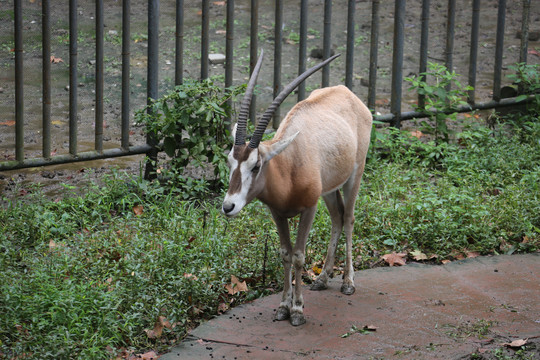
[{"x": 372, "y": 20}]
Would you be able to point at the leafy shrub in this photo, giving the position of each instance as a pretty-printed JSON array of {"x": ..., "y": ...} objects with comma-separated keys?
[
  {"x": 526, "y": 124},
  {"x": 441, "y": 98},
  {"x": 191, "y": 122}
]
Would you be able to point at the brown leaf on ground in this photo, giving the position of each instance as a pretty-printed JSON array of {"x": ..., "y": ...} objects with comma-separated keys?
[
  {"x": 472, "y": 254},
  {"x": 418, "y": 255},
  {"x": 395, "y": 258},
  {"x": 236, "y": 286},
  {"x": 516, "y": 343},
  {"x": 223, "y": 307},
  {"x": 138, "y": 210},
  {"x": 159, "y": 325},
  {"x": 190, "y": 276},
  {"x": 446, "y": 262},
  {"x": 8, "y": 123},
  {"x": 417, "y": 134},
  {"x": 56, "y": 60},
  {"x": 150, "y": 355}
]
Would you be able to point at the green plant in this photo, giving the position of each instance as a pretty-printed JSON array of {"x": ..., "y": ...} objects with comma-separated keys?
[
  {"x": 191, "y": 122},
  {"x": 526, "y": 124},
  {"x": 441, "y": 98}
]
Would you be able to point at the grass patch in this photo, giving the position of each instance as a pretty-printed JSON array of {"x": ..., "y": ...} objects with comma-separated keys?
[{"x": 84, "y": 277}]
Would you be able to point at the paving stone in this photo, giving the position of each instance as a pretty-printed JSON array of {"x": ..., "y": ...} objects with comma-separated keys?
[{"x": 419, "y": 311}]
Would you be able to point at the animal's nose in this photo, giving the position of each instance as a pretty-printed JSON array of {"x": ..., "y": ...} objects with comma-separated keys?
[{"x": 227, "y": 208}]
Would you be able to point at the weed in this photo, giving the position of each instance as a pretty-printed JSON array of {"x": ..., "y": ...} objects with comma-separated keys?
[
  {"x": 191, "y": 122},
  {"x": 441, "y": 98}
]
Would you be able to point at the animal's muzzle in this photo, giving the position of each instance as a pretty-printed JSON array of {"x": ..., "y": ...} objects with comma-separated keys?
[{"x": 227, "y": 208}]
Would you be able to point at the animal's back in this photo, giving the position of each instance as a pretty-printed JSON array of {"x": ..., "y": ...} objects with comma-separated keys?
[{"x": 334, "y": 129}]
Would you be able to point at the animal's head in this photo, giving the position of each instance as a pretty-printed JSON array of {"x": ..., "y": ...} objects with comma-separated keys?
[{"x": 248, "y": 161}]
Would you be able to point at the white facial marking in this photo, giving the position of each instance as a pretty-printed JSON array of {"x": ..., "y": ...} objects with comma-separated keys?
[{"x": 238, "y": 199}]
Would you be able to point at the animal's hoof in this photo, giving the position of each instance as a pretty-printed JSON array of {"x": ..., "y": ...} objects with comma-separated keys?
[
  {"x": 297, "y": 319},
  {"x": 347, "y": 289},
  {"x": 318, "y": 285},
  {"x": 282, "y": 313}
]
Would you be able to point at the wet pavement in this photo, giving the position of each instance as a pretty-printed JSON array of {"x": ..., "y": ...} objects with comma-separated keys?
[{"x": 414, "y": 312}]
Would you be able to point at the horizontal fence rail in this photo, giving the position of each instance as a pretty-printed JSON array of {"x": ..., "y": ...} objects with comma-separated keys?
[{"x": 332, "y": 25}]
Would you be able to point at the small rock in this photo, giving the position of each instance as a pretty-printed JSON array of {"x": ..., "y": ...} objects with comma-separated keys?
[
  {"x": 113, "y": 32},
  {"x": 533, "y": 35},
  {"x": 1, "y": 90},
  {"x": 216, "y": 59},
  {"x": 318, "y": 53},
  {"x": 92, "y": 62},
  {"x": 48, "y": 174},
  {"x": 66, "y": 88}
]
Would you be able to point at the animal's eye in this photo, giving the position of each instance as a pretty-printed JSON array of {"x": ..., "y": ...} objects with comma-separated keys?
[{"x": 256, "y": 168}]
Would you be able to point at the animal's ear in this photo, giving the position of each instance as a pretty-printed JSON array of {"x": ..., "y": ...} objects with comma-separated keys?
[
  {"x": 274, "y": 149},
  {"x": 233, "y": 131}
]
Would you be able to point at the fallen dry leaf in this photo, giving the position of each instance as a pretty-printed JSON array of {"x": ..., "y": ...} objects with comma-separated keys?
[
  {"x": 533, "y": 52},
  {"x": 236, "y": 286},
  {"x": 395, "y": 258},
  {"x": 446, "y": 262},
  {"x": 150, "y": 355},
  {"x": 138, "y": 210},
  {"x": 191, "y": 276},
  {"x": 516, "y": 343},
  {"x": 56, "y": 60},
  {"x": 417, "y": 134},
  {"x": 219, "y": 3},
  {"x": 159, "y": 325},
  {"x": 8, "y": 123},
  {"x": 223, "y": 307},
  {"x": 418, "y": 255},
  {"x": 473, "y": 254}
]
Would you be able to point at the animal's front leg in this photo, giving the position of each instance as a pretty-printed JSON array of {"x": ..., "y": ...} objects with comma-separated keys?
[
  {"x": 298, "y": 260},
  {"x": 284, "y": 310}
]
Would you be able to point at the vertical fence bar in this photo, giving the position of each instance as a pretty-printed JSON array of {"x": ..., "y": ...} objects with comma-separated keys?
[
  {"x": 46, "y": 77},
  {"x": 373, "y": 54},
  {"x": 278, "y": 37},
  {"x": 424, "y": 43},
  {"x": 302, "y": 49},
  {"x": 450, "y": 32},
  {"x": 499, "y": 43},
  {"x": 229, "y": 45},
  {"x": 205, "y": 38},
  {"x": 152, "y": 79},
  {"x": 253, "y": 51},
  {"x": 126, "y": 34},
  {"x": 475, "y": 25},
  {"x": 179, "y": 46},
  {"x": 397, "y": 62},
  {"x": 73, "y": 77},
  {"x": 19, "y": 92},
  {"x": 349, "y": 62},
  {"x": 524, "y": 31},
  {"x": 229, "y": 53},
  {"x": 99, "y": 77},
  {"x": 327, "y": 40}
]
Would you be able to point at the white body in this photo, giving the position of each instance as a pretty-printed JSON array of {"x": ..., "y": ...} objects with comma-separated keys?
[{"x": 319, "y": 148}]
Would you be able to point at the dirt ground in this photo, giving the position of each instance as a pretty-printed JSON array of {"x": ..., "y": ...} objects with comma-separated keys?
[{"x": 15, "y": 182}]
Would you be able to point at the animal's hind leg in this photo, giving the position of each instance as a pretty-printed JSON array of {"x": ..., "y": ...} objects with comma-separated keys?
[
  {"x": 350, "y": 192},
  {"x": 334, "y": 203}
]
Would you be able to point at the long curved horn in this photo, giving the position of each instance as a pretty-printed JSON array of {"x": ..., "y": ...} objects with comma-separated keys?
[
  {"x": 241, "y": 123},
  {"x": 265, "y": 118}
]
